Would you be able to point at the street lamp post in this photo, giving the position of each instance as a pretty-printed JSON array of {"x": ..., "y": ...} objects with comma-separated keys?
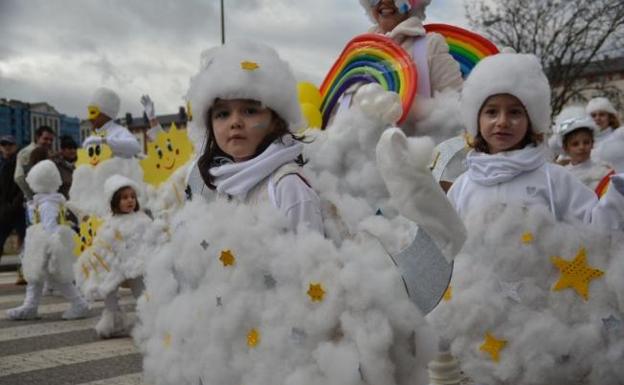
[{"x": 222, "y": 25}]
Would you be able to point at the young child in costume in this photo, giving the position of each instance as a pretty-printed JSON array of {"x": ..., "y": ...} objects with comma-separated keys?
[
  {"x": 576, "y": 138},
  {"x": 606, "y": 118},
  {"x": 116, "y": 255},
  {"x": 246, "y": 106},
  {"x": 48, "y": 249},
  {"x": 506, "y": 109}
]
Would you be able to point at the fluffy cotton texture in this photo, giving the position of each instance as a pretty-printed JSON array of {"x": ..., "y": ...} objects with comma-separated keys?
[
  {"x": 268, "y": 80},
  {"x": 438, "y": 117},
  {"x": 417, "y": 8},
  {"x": 107, "y": 101},
  {"x": 503, "y": 284},
  {"x": 600, "y": 104},
  {"x": 520, "y": 75},
  {"x": 118, "y": 253},
  {"x": 48, "y": 255},
  {"x": 611, "y": 150},
  {"x": 169, "y": 195},
  {"x": 44, "y": 177},
  {"x": 365, "y": 331},
  {"x": 87, "y": 195},
  {"x": 116, "y": 183}
]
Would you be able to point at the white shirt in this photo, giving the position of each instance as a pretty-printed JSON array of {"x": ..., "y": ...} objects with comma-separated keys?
[
  {"x": 122, "y": 143},
  {"x": 49, "y": 206}
]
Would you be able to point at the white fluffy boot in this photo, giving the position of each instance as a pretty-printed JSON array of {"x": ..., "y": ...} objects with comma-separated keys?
[
  {"x": 29, "y": 309},
  {"x": 404, "y": 166},
  {"x": 79, "y": 307},
  {"x": 113, "y": 322}
]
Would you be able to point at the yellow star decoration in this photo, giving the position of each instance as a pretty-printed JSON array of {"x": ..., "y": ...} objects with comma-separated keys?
[
  {"x": 88, "y": 229},
  {"x": 576, "y": 274},
  {"x": 527, "y": 238},
  {"x": 118, "y": 235},
  {"x": 167, "y": 340},
  {"x": 316, "y": 292},
  {"x": 249, "y": 65},
  {"x": 227, "y": 258},
  {"x": 448, "y": 294},
  {"x": 253, "y": 338},
  {"x": 492, "y": 346},
  {"x": 168, "y": 152}
]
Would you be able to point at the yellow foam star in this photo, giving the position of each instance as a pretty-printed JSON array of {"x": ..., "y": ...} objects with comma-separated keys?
[
  {"x": 493, "y": 346},
  {"x": 576, "y": 274},
  {"x": 316, "y": 292},
  {"x": 448, "y": 294},
  {"x": 253, "y": 338},
  {"x": 527, "y": 238},
  {"x": 227, "y": 258},
  {"x": 167, "y": 340},
  {"x": 249, "y": 65}
]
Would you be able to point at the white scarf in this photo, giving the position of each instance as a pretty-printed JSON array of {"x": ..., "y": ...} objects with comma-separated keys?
[
  {"x": 236, "y": 179},
  {"x": 489, "y": 170}
]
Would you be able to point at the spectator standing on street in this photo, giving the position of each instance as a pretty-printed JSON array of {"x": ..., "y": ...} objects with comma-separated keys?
[
  {"x": 44, "y": 137},
  {"x": 65, "y": 162},
  {"x": 12, "y": 216}
]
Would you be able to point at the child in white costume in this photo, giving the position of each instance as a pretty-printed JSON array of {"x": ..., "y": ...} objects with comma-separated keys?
[
  {"x": 606, "y": 118},
  {"x": 576, "y": 138},
  {"x": 506, "y": 108},
  {"x": 48, "y": 252},
  {"x": 246, "y": 113},
  {"x": 117, "y": 254}
]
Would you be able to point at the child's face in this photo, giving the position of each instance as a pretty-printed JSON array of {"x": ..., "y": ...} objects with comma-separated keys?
[
  {"x": 503, "y": 123},
  {"x": 240, "y": 126},
  {"x": 386, "y": 14},
  {"x": 578, "y": 146},
  {"x": 601, "y": 118},
  {"x": 127, "y": 201}
]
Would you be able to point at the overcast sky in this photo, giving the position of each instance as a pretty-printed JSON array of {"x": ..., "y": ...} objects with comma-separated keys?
[{"x": 60, "y": 51}]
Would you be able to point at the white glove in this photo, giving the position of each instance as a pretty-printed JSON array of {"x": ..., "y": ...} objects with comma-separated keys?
[
  {"x": 148, "y": 107},
  {"x": 379, "y": 104},
  {"x": 403, "y": 164},
  {"x": 93, "y": 140}
]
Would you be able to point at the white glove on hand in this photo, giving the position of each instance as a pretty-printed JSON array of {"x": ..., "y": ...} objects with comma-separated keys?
[
  {"x": 403, "y": 164},
  {"x": 148, "y": 107},
  {"x": 379, "y": 104},
  {"x": 93, "y": 140}
]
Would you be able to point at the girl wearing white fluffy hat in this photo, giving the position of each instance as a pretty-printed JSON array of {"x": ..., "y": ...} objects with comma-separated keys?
[
  {"x": 506, "y": 108},
  {"x": 48, "y": 247},
  {"x": 117, "y": 254},
  {"x": 246, "y": 112},
  {"x": 606, "y": 118}
]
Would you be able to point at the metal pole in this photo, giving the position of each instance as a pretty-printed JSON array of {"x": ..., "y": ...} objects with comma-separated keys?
[{"x": 222, "y": 25}]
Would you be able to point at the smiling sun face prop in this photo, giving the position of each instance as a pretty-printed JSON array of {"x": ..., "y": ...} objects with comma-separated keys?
[
  {"x": 171, "y": 150},
  {"x": 93, "y": 154},
  {"x": 88, "y": 230}
]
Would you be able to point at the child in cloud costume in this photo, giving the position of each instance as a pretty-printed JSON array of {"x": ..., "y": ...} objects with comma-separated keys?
[
  {"x": 536, "y": 295},
  {"x": 118, "y": 254},
  {"x": 48, "y": 249},
  {"x": 238, "y": 296}
]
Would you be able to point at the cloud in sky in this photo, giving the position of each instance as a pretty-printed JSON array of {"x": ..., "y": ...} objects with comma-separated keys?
[{"x": 61, "y": 51}]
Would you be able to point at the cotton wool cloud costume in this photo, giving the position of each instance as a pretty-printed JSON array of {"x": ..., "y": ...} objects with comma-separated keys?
[
  {"x": 238, "y": 297},
  {"x": 48, "y": 246},
  {"x": 536, "y": 295}
]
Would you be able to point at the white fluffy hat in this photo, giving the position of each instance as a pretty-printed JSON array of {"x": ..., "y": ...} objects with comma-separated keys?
[
  {"x": 244, "y": 70},
  {"x": 116, "y": 182},
  {"x": 107, "y": 101},
  {"x": 520, "y": 75},
  {"x": 44, "y": 177},
  {"x": 414, "y": 7},
  {"x": 600, "y": 104},
  {"x": 570, "y": 125}
]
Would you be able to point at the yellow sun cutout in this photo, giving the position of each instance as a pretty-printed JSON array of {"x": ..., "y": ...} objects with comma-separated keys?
[
  {"x": 93, "y": 155},
  {"x": 88, "y": 230},
  {"x": 171, "y": 150}
]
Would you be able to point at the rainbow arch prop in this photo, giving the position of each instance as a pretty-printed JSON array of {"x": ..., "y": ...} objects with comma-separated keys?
[
  {"x": 603, "y": 185},
  {"x": 466, "y": 47},
  {"x": 369, "y": 58}
]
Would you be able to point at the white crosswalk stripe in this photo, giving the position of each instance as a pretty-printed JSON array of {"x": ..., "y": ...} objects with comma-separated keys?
[{"x": 53, "y": 351}]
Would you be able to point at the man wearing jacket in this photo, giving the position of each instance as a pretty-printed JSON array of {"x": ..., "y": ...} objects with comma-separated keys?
[{"x": 12, "y": 215}]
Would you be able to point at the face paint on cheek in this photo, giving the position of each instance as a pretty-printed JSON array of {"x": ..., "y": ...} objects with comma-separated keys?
[{"x": 261, "y": 126}]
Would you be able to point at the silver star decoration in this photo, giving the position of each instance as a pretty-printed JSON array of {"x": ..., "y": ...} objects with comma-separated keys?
[
  {"x": 510, "y": 290},
  {"x": 269, "y": 281},
  {"x": 219, "y": 301},
  {"x": 204, "y": 244},
  {"x": 298, "y": 335}
]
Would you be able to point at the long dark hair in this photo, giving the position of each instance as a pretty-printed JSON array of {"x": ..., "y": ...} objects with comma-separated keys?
[{"x": 212, "y": 150}]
